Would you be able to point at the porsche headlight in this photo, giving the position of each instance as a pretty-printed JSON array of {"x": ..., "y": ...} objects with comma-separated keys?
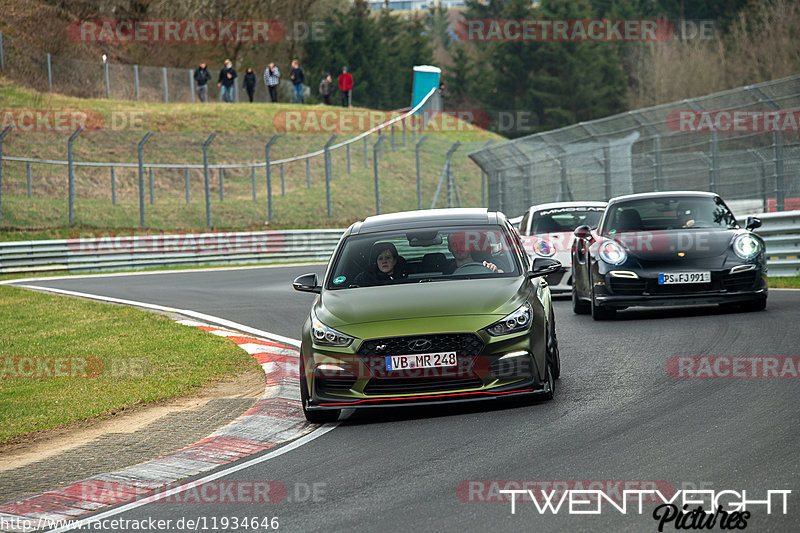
[
  {"x": 519, "y": 320},
  {"x": 323, "y": 335},
  {"x": 612, "y": 253},
  {"x": 746, "y": 246},
  {"x": 544, "y": 248}
]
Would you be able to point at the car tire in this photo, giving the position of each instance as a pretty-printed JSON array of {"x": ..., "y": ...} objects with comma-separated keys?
[
  {"x": 552, "y": 347},
  {"x": 315, "y": 417},
  {"x": 550, "y": 381},
  {"x": 601, "y": 312},
  {"x": 755, "y": 305},
  {"x": 579, "y": 307}
]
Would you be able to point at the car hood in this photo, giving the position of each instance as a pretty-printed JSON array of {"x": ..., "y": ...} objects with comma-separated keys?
[
  {"x": 412, "y": 301},
  {"x": 666, "y": 245}
]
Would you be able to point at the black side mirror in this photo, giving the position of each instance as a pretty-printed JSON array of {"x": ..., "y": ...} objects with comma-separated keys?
[
  {"x": 543, "y": 266},
  {"x": 307, "y": 283},
  {"x": 583, "y": 232},
  {"x": 752, "y": 223}
]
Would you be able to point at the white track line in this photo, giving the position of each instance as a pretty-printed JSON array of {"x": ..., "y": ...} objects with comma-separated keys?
[
  {"x": 165, "y": 309},
  {"x": 83, "y": 523}
]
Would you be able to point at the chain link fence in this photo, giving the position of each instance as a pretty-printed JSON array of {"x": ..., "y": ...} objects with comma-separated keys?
[
  {"x": 742, "y": 144},
  {"x": 75, "y": 77}
]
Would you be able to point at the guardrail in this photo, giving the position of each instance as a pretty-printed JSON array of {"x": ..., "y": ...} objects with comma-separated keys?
[
  {"x": 780, "y": 231},
  {"x": 781, "y": 234},
  {"x": 124, "y": 252}
]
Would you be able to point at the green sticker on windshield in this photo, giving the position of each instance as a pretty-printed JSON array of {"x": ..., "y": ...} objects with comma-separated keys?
[{"x": 340, "y": 279}]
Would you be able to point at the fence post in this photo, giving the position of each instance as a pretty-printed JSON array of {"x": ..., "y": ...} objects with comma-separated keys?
[
  {"x": 607, "y": 170},
  {"x": 419, "y": 180},
  {"x": 329, "y": 171},
  {"x": 484, "y": 179},
  {"x": 221, "y": 184},
  {"x": 186, "y": 184},
  {"x": 404, "y": 132},
  {"x": 2, "y": 136},
  {"x": 780, "y": 193},
  {"x": 29, "y": 180},
  {"x": 136, "y": 81},
  {"x": 445, "y": 172},
  {"x": 269, "y": 176},
  {"x": 166, "y": 88},
  {"x": 113, "y": 187},
  {"x": 140, "y": 151},
  {"x": 205, "y": 178},
  {"x": 151, "y": 185},
  {"x": 392, "y": 131},
  {"x": 50, "y": 71},
  {"x": 283, "y": 180},
  {"x": 105, "y": 76},
  {"x": 658, "y": 177},
  {"x": 71, "y": 172},
  {"x": 375, "y": 150},
  {"x": 347, "y": 147},
  {"x": 191, "y": 84},
  {"x": 714, "y": 174},
  {"x": 253, "y": 180},
  {"x": 308, "y": 172},
  {"x": 2, "y": 56},
  {"x": 366, "y": 153},
  {"x": 762, "y": 181}
]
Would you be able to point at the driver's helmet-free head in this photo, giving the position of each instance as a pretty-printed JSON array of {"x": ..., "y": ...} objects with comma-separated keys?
[
  {"x": 463, "y": 241},
  {"x": 378, "y": 248}
]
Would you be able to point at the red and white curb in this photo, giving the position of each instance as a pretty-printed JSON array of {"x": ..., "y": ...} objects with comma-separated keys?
[{"x": 276, "y": 417}]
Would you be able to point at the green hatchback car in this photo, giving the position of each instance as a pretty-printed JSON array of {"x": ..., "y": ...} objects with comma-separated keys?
[{"x": 427, "y": 307}]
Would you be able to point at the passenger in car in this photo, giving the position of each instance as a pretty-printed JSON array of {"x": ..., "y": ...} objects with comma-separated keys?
[
  {"x": 385, "y": 266},
  {"x": 462, "y": 245}
]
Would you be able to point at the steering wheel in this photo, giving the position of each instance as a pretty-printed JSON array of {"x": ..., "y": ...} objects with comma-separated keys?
[{"x": 473, "y": 267}]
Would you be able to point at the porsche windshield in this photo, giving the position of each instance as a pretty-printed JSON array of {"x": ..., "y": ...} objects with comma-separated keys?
[
  {"x": 565, "y": 219},
  {"x": 669, "y": 213},
  {"x": 417, "y": 256}
]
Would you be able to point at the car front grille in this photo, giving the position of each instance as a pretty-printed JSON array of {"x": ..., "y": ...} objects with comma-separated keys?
[
  {"x": 335, "y": 384},
  {"x": 417, "y": 385},
  {"x": 740, "y": 281},
  {"x": 464, "y": 344},
  {"x": 627, "y": 286}
]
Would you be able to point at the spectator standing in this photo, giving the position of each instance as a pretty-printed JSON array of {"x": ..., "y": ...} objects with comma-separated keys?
[
  {"x": 226, "y": 80},
  {"x": 326, "y": 88},
  {"x": 250, "y": 82},
  {"x": 345, "y": 85},
  {"x": 202, "y": 76},
  {"x": 272, "y": 77},
  {"x": 298, "y": 77}
]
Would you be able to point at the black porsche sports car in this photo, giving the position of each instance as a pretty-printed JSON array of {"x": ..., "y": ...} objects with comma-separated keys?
[{"x": 668, "y": 248}]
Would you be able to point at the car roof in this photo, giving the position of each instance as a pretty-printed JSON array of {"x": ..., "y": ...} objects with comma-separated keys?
[
  {"x": 427, "y": 218},
  {"x": 663, "y": 194},
  {"x": 556, "y": 205}
]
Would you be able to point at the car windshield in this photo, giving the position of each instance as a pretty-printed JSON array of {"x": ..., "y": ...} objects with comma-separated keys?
[
  {"x": 669, "y": 213},
  {"x": 565, "y": 219},
  {"x": 418, "y": 256}
]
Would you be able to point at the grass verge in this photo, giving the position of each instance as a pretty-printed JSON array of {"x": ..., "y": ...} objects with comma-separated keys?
[
  {"x": 63, "y": 360},
  {"x": 784, "y": 282}
]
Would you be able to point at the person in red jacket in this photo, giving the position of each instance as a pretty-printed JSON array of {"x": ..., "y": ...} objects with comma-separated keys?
[{"x": 345, "y": 85}]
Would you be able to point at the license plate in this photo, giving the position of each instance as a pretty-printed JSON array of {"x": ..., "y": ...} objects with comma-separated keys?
[
  {"x": 423, "y": 360},
  {"x": 684, "y": 277}
]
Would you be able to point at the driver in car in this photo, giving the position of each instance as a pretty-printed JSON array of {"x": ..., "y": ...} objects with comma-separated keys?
[{"x": 463, "y": 243}]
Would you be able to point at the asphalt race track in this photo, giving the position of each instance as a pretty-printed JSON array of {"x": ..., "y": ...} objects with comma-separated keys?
[{"x": 617, "y": 415}]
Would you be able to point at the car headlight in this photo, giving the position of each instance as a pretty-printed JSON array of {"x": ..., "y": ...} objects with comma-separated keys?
[
  {"x": 544, "y": 248},
  {"x": 323, "y": 335},
  {"x": 746, "y": 246},
  {"x": 612, "y": 253},
  {"x": 519, "y": 320}
]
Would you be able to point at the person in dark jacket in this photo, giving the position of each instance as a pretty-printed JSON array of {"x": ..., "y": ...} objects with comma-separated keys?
[
  {"x": 226, "y": 80},
  {"x": 202, "y": 76},
  {"x": 326, "y": 88},
  {"x": 385, "y": 266},
  {"x": 298, "y": 77},
  {"x": 250, "y": 82}
]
